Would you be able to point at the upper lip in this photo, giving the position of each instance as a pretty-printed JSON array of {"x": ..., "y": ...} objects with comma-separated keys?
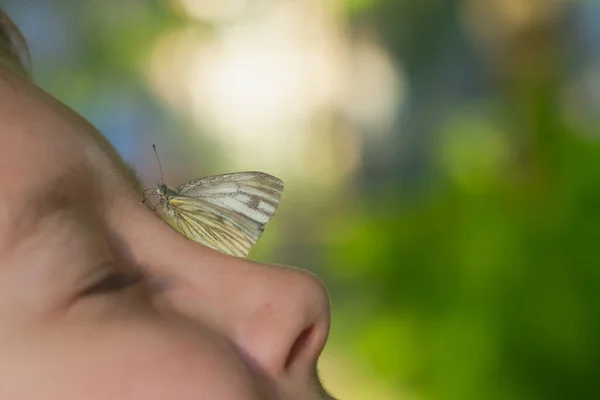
[{"x": 326, "y": 395}]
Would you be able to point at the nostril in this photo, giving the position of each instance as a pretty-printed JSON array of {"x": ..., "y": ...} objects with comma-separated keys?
[{"x": 300, "y": 345}]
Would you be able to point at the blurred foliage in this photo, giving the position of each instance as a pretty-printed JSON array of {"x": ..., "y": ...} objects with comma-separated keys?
[
  {"x": 465, "y": 266},
  {"x": 484, "y": 282},
  {"x": 483, "y": 295}
]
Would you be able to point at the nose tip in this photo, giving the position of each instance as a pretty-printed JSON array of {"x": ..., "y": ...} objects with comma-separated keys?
[{"x": 287, "y": 329}]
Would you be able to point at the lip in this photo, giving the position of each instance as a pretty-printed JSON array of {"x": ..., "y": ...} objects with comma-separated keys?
[
  {"x": 328, "y": 396},
  {"x": 314, "y": 390},
  {"x": 324, "y": 395}
]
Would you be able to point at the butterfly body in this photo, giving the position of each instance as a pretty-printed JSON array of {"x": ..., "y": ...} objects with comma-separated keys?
[
  {"x": 225, "y": 212},
  {"x": 164, "y": 192}
]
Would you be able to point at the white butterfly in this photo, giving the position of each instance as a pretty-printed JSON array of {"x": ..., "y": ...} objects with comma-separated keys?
[{"x": 226, "y": 212}]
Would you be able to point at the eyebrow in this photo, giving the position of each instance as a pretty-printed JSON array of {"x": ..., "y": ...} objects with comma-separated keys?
[
  {"x": 58, "y": 191},
  {"x": 41, "y": 199}
]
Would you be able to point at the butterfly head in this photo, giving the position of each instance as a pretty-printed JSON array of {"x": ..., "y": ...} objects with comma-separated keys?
[
  {"x": 164, "y": 193},
  {"x": 162, "y": 190}
]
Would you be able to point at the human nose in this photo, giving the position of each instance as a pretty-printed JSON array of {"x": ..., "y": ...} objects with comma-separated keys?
[
  {"x": 284, "y": 319},
  {"x": 277, "y": 317}
]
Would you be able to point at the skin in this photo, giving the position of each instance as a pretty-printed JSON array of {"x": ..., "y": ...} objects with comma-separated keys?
[{"x": 100, "y": 299}]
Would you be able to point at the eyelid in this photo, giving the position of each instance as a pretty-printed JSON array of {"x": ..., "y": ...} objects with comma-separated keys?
[{"x": 113, "y": 279}]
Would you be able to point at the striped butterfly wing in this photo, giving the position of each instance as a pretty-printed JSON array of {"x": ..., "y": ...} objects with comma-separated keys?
[
  {"x": 226, "y": 212},
  {"x": 213, "y": 226},
  {"x": 255, "y": 195}
]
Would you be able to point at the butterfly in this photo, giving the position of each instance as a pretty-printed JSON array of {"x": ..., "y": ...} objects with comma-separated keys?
[{"x": 225, "y": 212}]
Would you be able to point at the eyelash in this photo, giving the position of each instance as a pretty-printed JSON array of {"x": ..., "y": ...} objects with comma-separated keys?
[{"x": 116, "y": 282}]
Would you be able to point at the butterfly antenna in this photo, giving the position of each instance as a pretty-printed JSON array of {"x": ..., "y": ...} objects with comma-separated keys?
[{"x": 162, "y": 178}]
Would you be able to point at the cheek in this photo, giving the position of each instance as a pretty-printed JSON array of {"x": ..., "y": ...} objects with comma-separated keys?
[{"x": 140, "y": 361}]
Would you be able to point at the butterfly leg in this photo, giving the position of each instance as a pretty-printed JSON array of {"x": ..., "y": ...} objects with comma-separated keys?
[{"x": 145, "y": 197}]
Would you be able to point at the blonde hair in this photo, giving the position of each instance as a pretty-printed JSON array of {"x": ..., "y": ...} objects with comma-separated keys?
[{"x": 14, "y": 54}]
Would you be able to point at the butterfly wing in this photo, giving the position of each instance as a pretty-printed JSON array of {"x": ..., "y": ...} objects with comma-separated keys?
[
  {"x": 211, "y": 225},
  {"x": 226, "y": 212},
  {"x": 254, "y": 195}
]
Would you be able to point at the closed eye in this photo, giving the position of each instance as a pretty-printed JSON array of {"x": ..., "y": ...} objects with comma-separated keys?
[{"x": 115, "y": 282}]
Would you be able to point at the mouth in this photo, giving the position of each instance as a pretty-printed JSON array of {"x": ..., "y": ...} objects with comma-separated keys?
[
  {"x": 325, "y": 395},
  {"x": 328, "y": 396}
]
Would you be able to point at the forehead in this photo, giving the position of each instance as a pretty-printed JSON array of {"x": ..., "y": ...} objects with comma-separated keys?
[
  {"x": 46, "y": 150},
  {"x": 38, "y": 134},
  {"x": 38, "y": 138}
]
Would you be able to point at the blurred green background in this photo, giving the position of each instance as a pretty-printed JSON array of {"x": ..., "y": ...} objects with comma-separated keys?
[{"x": 441, "y": 160}]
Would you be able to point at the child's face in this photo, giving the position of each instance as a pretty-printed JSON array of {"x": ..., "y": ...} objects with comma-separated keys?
[{"x": 76, "y": 319}]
